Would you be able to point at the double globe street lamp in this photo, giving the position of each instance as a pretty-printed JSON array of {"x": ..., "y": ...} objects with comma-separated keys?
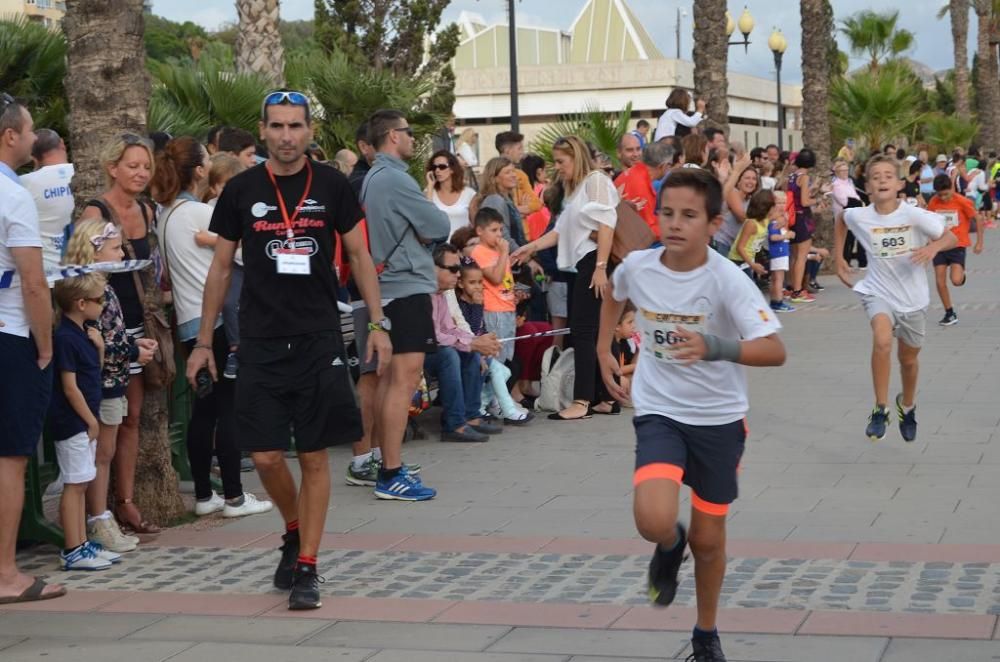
[{"x": 776, "y": 42}]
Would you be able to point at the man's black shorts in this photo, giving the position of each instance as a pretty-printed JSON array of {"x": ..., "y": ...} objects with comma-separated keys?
[
  {"x": 25, "y": 391},
  {"x": 412, "y": 321},
  {"x": 297, "y": 385},
  {"x": 706, "y": 458},
  {"x": 953, "y": 256}
]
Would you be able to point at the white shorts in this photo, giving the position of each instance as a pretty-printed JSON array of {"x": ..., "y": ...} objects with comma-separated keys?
[
  {"x": 779, "y": 263},
  {"x": 113, "y": 410},
  {"x": 76, "y": 459}
]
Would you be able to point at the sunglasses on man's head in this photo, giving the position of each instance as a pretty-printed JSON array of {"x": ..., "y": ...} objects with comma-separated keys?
[
  {"x": 5, "y": 100},
  {"x": 289, "y": 97}
]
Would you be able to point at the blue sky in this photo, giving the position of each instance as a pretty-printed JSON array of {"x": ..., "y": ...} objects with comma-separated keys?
[{"x": 659, "y": 17}]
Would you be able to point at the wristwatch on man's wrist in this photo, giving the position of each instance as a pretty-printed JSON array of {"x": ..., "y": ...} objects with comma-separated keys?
[{"x": 382, "y": 325}]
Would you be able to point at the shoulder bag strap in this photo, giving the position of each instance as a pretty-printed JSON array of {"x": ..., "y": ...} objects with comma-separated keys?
[
  {"x": 379, "y": 268},
  {"x": 166, "y": 219}
]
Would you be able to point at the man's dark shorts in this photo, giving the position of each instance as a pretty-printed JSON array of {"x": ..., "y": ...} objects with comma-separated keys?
[
  {"x": 704, "y": 457},
  {"x": 297, "y": 385},
  {"x": 953, "y": 256},
  {"x": 412, "y": 320},
  {"x": 25, "y": 392}
]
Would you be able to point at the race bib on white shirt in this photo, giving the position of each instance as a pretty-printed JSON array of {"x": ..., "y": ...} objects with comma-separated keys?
[
  {"x": 950, "y": 217},
  {"x": 659, "y": 332},
  {"x": 892, "y": 241}
]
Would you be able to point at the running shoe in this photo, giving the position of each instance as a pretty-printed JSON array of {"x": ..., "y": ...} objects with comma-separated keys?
[
  {"x": 949, "y": 319},
  {"x": 305, "y": 588},
  {"x": 877, "y": 423},
  {"x": 283, "y": 576},
  {"x": 367, "y": 475},
  {"x": 706, "y": 650},
  {"x": 782, "y": 307},
  {"x": 405, "y": 486},
  {"x": 802, "y": 296},
  {"x": 232, "y": 366},
  {"x": 907, "y": 420},
  {"x": 83, "y": 557},
  {"x": 816, "y": 287},
  {"x": 663, "y": 569},
  {"x": 102, "y": 553}
]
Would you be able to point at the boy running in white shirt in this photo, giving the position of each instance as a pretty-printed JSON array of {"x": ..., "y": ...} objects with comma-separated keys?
[
  {"x": 701, "y": 320},
  {"x": 901, "y": 240}
]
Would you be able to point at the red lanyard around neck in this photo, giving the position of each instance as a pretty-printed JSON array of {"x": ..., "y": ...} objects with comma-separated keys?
[{"x": 290, "y": 220}]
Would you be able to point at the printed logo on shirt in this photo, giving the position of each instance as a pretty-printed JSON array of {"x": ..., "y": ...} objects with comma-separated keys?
[
  {"x": 310, "y": 205},
  {"x": 763, "y": 315},
  {"x": 337, "y": 362},
  {"x": 260, "y": 209},
  {"x": 301, "y": 245}
]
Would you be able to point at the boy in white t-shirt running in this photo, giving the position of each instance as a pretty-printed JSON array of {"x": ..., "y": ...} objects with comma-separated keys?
[
  {"x": 701, "y": 320},
  {"x": 901, "y": 240}
]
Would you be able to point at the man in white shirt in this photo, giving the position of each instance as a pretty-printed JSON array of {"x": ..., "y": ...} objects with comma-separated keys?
[
  {"x": 49, "y": 186},
  {"x": 25, "y": 346}
]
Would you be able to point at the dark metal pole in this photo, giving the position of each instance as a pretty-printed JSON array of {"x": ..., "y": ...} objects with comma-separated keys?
[
  {"x": 678, "y": 28},
  {"x": 781, "y": 119},
  {"x": 515, "y": 121}
]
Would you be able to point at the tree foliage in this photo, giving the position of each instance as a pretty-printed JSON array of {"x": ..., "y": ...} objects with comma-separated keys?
[
  {"x": 877, "y": 105},
  {"x": 32, "y": 69},
  {"x": 875, "y": 36},
  {"x": 945, "y": 131},
  {"x": 600, "y": 128}
]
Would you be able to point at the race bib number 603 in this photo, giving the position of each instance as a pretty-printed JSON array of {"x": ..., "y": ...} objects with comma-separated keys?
[
  {"x": 659, "y": 332},
  {"x": 892, "y": 241}
]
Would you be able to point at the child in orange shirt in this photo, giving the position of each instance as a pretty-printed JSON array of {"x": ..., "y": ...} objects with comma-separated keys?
[
  {"x": 958, "y": 212},
  {"x": 492, "y": 254}
]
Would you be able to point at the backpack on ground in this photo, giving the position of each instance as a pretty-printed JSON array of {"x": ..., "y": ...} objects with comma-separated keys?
[{"x": 556, "y": 390}]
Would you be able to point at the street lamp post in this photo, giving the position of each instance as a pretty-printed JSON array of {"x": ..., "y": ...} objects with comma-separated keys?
[
  {"x": 681, "y": 13},
  {"x": 745, "y": 25},
  {"x": 515, "y": 120},
  {"x": 777, "y": 43}
]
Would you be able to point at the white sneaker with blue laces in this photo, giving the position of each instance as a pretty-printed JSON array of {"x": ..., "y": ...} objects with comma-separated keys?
[{"x": 83, "y": 557}]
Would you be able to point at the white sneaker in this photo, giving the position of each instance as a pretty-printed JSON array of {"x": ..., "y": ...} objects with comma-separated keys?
[
  {"x": 250, "y": 506},
  {"x": 83, "y": 558},
  {"x": 103, "y": 553},
  {"x": 213, "y": 505},
  {"x": 132, "y": 540},
  {"x": 104, "y": 532}
]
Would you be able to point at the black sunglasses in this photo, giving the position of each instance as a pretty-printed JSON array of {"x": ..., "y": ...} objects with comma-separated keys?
[
  {"x": 455, "y": 268},
  {"x": 408, "y": 130},
  {"x": 6, "y": 101},
  {"x": 98, "y": 300},
  {"x": 440, "y": 166}
]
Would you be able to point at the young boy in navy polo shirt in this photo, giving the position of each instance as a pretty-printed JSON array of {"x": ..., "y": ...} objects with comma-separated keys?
[{"x": 73, "y": 416}]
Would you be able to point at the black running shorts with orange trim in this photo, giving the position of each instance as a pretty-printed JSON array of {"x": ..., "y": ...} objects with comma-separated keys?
[{"x": 706, "y": 458}]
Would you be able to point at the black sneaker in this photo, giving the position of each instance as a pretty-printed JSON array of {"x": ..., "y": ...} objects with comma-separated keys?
[
  {"x": 286, "y": 567},
  {"x": 907, "y": 420},
  {"x": 949, "y": 319},
  {"x": 663, "y": 569},
  {"x": 706, "y": 650},
  {"x": 232, "y": 366},
  {"x": 816, "y": 287},
  {"x": 305, "y": 588}
]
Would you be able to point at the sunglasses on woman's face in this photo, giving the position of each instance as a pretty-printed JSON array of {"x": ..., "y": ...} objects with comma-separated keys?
[{"x": 440, "y": 166}]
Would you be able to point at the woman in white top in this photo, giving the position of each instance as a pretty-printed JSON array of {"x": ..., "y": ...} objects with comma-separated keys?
[
  {"x": 676, "y": 115},
  {"x": 465, "y": 147},
  {"x": 584, "y": 233},
  {"x": 181, "y": 175},
  {"x": 445, "y": 187}
]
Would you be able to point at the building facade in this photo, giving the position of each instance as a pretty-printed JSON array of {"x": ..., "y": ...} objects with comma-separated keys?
[
  {"x": 606, "y": 59},
  {"x": 47, "y": 12}
]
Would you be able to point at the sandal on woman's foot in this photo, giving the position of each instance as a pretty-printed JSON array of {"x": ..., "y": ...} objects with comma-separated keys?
[
  {"x": 142, "y": 527},
  {"x": 34, "y": 593},
  {"x": 557, "y": 416},
  {"x": 615, "y": 408}
]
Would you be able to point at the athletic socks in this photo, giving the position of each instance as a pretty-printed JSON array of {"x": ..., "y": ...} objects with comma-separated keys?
[
  {"x": 306, "y": 560},
  {"x": 377, "y": 454},
  {"x": 359, "y": 460},
  {"x": 678, "y": 537},
  {"x": 292, "y": 527},
  {"x": 699, "y": 634}
]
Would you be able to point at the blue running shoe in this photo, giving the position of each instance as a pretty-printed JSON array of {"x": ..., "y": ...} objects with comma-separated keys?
[
  {"x": 907, "y": 420},
  {"x": 877, "y": 423},
  {"x": 782, "y": 307},
  {"x": 406, "y": 486}
]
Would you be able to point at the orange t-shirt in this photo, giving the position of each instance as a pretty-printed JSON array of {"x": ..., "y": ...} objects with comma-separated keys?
[
  {"x": 634, "y": 183},
  {"x": 958, "y": 213},
  {"x": 497, "y": 298}
]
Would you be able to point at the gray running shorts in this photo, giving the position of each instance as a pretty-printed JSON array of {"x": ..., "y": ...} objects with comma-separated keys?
[{"x": 907, "y": 327}]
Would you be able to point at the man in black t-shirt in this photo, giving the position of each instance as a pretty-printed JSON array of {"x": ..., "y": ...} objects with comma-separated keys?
[{"x": 293, "y": 378}]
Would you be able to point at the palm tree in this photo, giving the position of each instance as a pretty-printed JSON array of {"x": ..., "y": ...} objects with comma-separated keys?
[
  {"x": 258, "y": 41},
  {"x": 875, "y": 36},
  {"x": 876, "y": 106},
  {"x": 107, "y": 87},
  {"x": 33, "y": 68},
  {"x": 945, "y": 131},
  {"x": 958, "y": 12},
  {"x": 711, "y": 54},
  {"x": 600, "y": 128},
  {"x": 987, "y": 91},
  {"x": 817, "y": 35}
]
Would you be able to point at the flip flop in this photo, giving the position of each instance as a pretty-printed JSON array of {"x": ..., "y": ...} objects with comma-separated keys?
[
  {"x": 33, "y": 593},
  {"x": 616, "y": 409}
]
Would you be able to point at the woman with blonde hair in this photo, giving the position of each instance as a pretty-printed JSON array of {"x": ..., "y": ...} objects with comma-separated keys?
[
  {"x": 464, "y": 147},
  {"x": 497, "y": 185},
  {"x": 584, "y": 233},
  {"x": 128, "y": 164}
]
